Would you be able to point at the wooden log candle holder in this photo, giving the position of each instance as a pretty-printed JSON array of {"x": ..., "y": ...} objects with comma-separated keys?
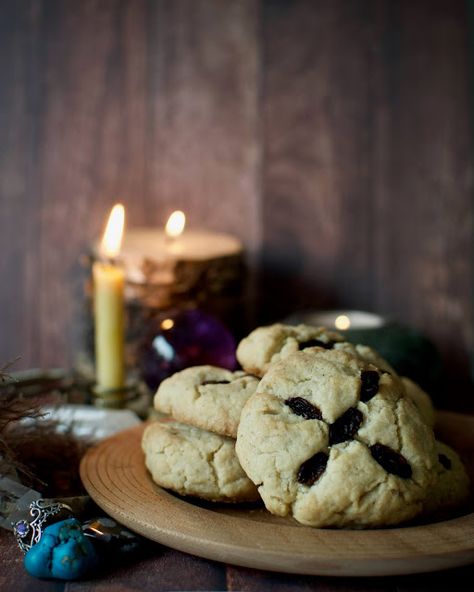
[{"x": 195, "y": 269}]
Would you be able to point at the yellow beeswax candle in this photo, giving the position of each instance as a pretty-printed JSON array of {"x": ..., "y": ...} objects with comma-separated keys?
[{"x": 109, "y": 279}]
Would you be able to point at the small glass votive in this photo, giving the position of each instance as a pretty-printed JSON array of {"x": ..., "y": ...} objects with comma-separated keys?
[{"x": 340, "y": 320}]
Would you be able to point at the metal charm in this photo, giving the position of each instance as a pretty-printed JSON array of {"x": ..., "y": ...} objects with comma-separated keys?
[{"x": 28, "y": 533}]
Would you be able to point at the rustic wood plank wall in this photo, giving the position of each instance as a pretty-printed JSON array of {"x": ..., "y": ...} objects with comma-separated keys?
[
  {"x": 333, "y": 136},
  {"x": 368, "y": 167}
]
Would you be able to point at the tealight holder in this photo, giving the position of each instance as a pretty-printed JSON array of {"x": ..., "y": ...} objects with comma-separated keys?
[{"x": 340, "y": 320}]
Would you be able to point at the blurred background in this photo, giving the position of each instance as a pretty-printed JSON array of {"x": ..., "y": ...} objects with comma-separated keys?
[{"x": 333, "y": 137}]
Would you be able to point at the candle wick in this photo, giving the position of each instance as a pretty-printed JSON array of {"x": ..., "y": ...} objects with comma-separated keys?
[
  {"x": 172, "y": 244},
  {"x": 110, "y": 260}
]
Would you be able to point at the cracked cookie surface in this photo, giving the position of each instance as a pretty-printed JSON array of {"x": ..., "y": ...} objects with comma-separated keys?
[
  {"x": 194, "y": 462},
  {"x": 421, "y": 399},
  {"x": 267, "y": 345},
  {"x": 206, "y": 397},
  {"x": 355, "y": 453}
]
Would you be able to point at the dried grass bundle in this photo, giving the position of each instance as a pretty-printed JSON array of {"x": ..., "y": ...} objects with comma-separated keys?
[{"x": 41, "y": 457}]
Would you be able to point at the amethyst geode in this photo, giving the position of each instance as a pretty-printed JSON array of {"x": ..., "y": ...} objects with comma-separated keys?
[{"x": 179, "y": 339}]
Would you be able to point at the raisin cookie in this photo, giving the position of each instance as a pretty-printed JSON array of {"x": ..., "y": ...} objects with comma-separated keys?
[
  {"x": 334, "y": 441},
  {"x": 451, "y": 489},
  {"x": 267, "y": 345},
  {"x": 194, "y": 462},
  {"x": 206, "y": 397}
]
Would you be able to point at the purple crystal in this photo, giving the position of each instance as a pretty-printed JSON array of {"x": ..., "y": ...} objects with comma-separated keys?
[
  {"x": 180, "y": 339},
  {"x": 21, "y": 528}
]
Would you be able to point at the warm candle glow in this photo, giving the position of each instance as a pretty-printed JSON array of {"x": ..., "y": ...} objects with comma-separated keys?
[
  {"x": 342, "y": 322},
  {"x": 167, "y": 324},
  {"x": 112, "y": 239},
  {"x": 175, "y": 224}
]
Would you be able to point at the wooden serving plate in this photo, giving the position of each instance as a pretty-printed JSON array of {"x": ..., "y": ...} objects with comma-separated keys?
[{"x": 115, "y": 476}]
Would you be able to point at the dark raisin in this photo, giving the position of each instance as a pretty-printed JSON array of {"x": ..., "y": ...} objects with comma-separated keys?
[
  {"x": 369, "y": 386},
  {"x": 206, "y": 382},
  {"x": 304, "y": 408},
  {"x": 346, "y": 426},
  {"x": 391, "y": 461},
  {"x": 312, "y": 469},
  {"x": 316, "y": 343},
  {"x": 444, "y": 460}
]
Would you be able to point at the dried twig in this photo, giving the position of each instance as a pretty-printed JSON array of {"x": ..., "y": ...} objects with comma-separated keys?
[{"x": 40, "y": 456}]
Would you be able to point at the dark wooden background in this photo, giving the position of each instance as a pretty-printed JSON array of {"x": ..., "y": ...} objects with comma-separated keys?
[{"x": 333, "y": 136}]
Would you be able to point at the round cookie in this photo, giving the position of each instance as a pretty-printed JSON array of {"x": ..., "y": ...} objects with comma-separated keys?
[
  {"x": 206, "y": 397},
  {"x": 334, "y": 441},
  {"x": 452, "y": 483},
  {"x": 266, "y": 345},
  {"x": 194, "y": 462},
  {"x": 421, "y": 399}
]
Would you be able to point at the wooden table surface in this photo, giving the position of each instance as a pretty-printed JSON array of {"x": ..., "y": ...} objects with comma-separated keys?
[{"x": 159, "y": 569}]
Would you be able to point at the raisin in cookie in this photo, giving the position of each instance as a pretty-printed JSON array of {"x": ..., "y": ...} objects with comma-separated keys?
[
  {"x": 420, "y": 398},
  {"x": 206, "y": 397},
  {"x": 334, "y": 441},
  {"x": 194, "y": 462},
  {"x": 452, "y": 483},
  {"x": 267, "y": 345}
]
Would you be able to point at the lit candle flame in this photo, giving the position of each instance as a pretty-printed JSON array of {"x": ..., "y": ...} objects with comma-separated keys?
[
  {"x": 342, "y": 322},
  {"x": 112, "y": 239},
  {"x": 175, "y": 224}
]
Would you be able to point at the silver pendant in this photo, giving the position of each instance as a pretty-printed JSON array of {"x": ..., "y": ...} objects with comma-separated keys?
[{"x": 28, "y": 532}]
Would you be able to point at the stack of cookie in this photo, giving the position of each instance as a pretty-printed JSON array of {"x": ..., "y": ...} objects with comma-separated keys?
[
  {"x": 320, "y": 429},
  {"x": 193, "y": 452}
]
